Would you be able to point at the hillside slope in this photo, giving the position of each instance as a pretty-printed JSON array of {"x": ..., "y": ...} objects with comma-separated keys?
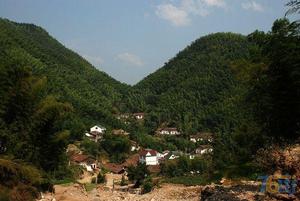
[
  {"x": 196, "y": 90},
  {"x": 93, "y": 93}
]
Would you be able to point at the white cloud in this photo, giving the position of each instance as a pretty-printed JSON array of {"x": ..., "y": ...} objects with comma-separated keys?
[
  {"x": 177, "y": 16},
  {"x": 95, "y": 60},
  {"x": 130, "y": 58},
  {"x": 194, "y": 7},
  {"x": 252, "y": 5},
  {"x": 180, "y": 14},
  {"x": 218, "y": 3}
]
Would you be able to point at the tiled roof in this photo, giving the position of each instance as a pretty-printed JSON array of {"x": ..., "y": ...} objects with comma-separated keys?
[
  {"x": 205, "y": 135},
  {"x": 146, "y": 151},
  {"x": 131, "y": 161},
  {"x": 115, "y": 168},
  {"x": 79, "y": 158}
]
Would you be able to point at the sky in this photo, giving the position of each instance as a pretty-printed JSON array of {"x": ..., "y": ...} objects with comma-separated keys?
[{"x": 129, "y": 39}]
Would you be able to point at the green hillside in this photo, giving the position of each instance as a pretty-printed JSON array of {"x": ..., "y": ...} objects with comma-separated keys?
[
  {"x": 196, "y": 90},
  {"x": 93, "y": 93}
]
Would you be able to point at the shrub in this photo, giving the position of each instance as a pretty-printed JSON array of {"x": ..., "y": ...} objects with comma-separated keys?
[
  {"x": 101, "y": 178},
  {"x": 147, "y": 185},
  {"x": 123, "y": 181},
  {"x": 93, "y": 180}
]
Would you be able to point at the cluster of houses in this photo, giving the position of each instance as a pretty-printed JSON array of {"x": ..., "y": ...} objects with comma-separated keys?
[
  {"x": 139, "y": 116},
  {"x": 96, "y": 134},
  {"x": 153, "y": 157},
  {"x": 150, "y": 157}
]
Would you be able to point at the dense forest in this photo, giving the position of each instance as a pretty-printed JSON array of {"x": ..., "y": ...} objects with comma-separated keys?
[
  {"x": 93, "y": 94},
  {"x": 243, "y": 89},
  {"x": 49, "y": 97}
]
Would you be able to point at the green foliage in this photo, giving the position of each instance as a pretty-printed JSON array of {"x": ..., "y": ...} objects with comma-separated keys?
[
  {"x": 93, "y": 94},
  {"x": 189, "y": 180},
  {"x": 20, "y": 181},
  {"x": 183, "y": 166},
  {"x": 89, "y": 187},
  {"x": 101, "y": 178},
  {"x": 123, "y": 181},
  {"x": 138, "y": 174},
  {"x": 90, "y": 147},
  {"x": 147, "y": 185},
  {"x": 196, "y": 89},
  {"x": 116, "y": 146}
]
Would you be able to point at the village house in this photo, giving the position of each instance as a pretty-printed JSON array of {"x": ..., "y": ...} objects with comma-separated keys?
[
  {"x": 123, "y": 116},
  {"x": 121, "y": 168},
  {"x": 149, "y": 157},
  {"x": 204, "y": 149},
  {"x": 134, "y": 146},
  {"x": 96, "y": 133},
  {"x": 119, "y": 132},
  {"x": 85, "y": 161},
  {"x": 114, "y": 168},
  {"x": 168, "y": 131},
  {"x": 202, "y": 137},
  {"x": 172, "y": 155},
  {"x": 139, "y": 115}
]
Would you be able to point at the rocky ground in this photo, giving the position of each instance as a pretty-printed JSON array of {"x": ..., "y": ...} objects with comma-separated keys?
[
  {"x": 166, "y": 192},
  {"x": 169, "y": 192}
]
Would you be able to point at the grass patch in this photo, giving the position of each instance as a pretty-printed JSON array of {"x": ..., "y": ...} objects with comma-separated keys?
[
  {"x": 66, "y": 181},
  {"x": 187, "y": 180},
  {"x": 89, "y": 187}
]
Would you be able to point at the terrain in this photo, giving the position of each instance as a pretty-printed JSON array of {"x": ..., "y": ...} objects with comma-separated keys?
[{"x": 243, "y": 90}]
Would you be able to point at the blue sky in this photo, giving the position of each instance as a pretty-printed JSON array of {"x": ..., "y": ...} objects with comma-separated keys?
[{"x": 129, "y": 39}]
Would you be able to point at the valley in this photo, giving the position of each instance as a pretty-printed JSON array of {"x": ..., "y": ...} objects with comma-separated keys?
[{"x": 218, "y": 121}]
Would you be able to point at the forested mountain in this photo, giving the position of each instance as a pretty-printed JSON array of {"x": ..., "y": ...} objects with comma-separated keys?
[
  {"x": 244, "y": 89},
  {"x": 196, "y": 90},
  {"x": 93, "y": 93}
]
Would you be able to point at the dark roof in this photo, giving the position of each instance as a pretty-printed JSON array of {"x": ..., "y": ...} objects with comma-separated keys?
[
  {"x": 146, "y": 151},
  {"x": 204, "y": 147},
  {"x": 131, "y": 161},
  {"x": 119, "y": 168},
  {"x": 133, "y": 143},
  {"x": 138, "y": 114},
  {"x": 115, "y": 168},
  {"x": 205, "y": 135},
  {"x": 79, "y": 158},
  {"x": 168, "y": 129},
  {"x": 119, "y": 132}
]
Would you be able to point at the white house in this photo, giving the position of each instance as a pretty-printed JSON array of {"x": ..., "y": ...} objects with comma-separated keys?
[
  {"x": 85, "y": 161},
  {"x": 139, "y": 115},
  {"x": 202, "y": 137},
  {"x": 168, "y": 131},
  {"x": 204, "y": 149},
  {"x": 134, "y": 146},
  {"x": 172, "y": 155},
  {"x": 96, "y": 133},
  {"x": 97, "y": 129},
  {"x": 149, "y": 156}
]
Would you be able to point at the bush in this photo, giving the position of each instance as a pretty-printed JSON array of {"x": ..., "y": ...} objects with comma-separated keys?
[
  {"x": 147, "y": 185},
  {"x": 123, "y": 181},
  {"x": 93, "y": 180},
  {"x": 101, "y": 178},
  {"x": 138, "y": 174}
]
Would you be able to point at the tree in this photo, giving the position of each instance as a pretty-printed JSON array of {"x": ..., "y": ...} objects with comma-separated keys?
[
  {"x": 294, "y": 7},
  {"x": 138, "y": 174}
]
